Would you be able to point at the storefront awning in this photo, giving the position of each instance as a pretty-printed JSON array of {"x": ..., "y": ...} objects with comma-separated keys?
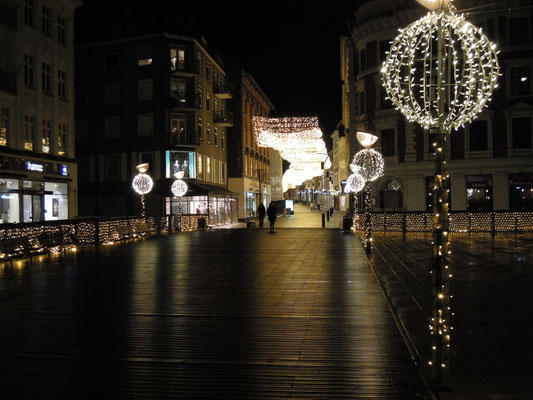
[{"x": 197, "y": 189}]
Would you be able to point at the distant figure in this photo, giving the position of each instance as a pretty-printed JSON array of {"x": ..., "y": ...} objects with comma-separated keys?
[
  {"x": 261, "y": 211},
  {"x": 271, "y": 212}
]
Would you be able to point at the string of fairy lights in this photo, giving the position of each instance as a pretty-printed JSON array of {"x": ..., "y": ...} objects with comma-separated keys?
[
  {"x": 440, "y": 72},
  {"x": 299, "y": 141}
]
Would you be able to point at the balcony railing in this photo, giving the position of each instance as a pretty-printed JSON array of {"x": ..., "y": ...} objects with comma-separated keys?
[
  {"x": 224, "y": 119},
  {"x": 223, "y": 90},
  {"x": 187, "y": 69},
  {"x": 189, "y": 101},
  {"x": 187, "y": 138}
]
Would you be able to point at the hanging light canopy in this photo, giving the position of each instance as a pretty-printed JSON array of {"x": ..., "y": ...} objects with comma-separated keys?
[{"x": 446, "y": 95}]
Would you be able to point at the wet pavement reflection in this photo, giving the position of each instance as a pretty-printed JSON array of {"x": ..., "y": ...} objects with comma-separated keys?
[{"x": 218, "y": 314}]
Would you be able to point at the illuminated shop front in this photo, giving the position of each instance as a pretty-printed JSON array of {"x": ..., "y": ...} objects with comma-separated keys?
[
  {"x": 479, "y": 192},
  {"x": 521, "y": 192},
  {"x": 216, "y": 203},
  {"x": 177, "y": 161}
]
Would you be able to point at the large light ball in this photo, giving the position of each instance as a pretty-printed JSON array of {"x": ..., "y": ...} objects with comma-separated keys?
[
  {"x": 371, "y": 164},
  {"x": 142, "y": 183},
  {"x": 179, "y": 188},
  {"x": 464, "y": 80},
  {"x": 355, "y": 183}
]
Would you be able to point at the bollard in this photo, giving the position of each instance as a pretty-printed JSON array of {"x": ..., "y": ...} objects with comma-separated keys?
[
  {"x": 323, "y": 220},
  {"x": 327, "y": 213}
]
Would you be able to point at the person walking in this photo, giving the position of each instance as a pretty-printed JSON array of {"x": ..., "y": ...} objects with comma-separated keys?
[
  {"x": 271, "y": 212},
  {"x": 261, "y": 211}
]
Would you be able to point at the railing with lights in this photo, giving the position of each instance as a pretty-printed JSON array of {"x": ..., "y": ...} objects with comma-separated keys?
[{"x": 460, "y": 221}]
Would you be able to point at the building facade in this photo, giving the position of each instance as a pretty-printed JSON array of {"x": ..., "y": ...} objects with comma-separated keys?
[
  {"x": 150, "y": 91},
  {"x": 340, "y": 167},
  {"x": 38, "y": 177},
  {"x": 253, "y": 170},
  {"x": 489, "y": 161}
]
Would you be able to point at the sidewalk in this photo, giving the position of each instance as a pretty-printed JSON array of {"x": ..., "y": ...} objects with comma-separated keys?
[{"x": 220, "y": 314}]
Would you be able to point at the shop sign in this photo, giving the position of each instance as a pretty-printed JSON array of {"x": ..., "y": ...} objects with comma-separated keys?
[
  {"x": 64, "y": 170},
  {"x": 31, "y": 166}
]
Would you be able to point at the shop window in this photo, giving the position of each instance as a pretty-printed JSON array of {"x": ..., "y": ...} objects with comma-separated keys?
[
  {"x": 387, "y": 142},
  {"x": 200, "y": 167},
  {"x": 9, "y": 201},
  {"x": 144, "y": 55},
  {"x": 47, "y": 134},
  {"x": 4, "y": 125},
  {"x": 207, "y": 168},
  {"x": 478, "y": 135},
  {"x": 518, "y": 31},
  {"x": 479, "y": 193},
  {"x": 521, "y": 131},
  {"x": 521, "y": 192},
  {"x": 112, "y": 93},
  {"x": 177, "y": 161},
  {"x": 55, "y": 201},
  {"x": 145, "y": 124},
  {"x": 112, "y": 127},
  {"x": 177, "y": 59},
  {"x": 520, "y": 78},
  {"x": 144, "y": 90}
]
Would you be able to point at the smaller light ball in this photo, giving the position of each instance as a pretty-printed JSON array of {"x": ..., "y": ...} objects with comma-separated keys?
[
  {"x": 179, "y": 188},
  {"x": 142, "y": 183},
  {"x": 371, "y": 164},
  {"x": 355, "y": 183}
]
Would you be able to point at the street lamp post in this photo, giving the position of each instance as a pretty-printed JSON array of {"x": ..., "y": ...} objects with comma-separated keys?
[
  {"x": 142, "y": 184},
  {"x": 179, "y": 188},
  {"x": 440, "y": 72}
]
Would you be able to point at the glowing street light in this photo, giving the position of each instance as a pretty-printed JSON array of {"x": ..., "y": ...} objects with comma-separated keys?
[
  {"x": 142, "y": 184},
  {"x": 179, "y": 188}
]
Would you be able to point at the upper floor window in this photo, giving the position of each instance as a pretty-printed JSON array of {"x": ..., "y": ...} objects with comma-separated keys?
[
  {"x": 200, "y": 96},
  {"x": 208, "y": 133},
  {"x": 46, "y": 78},
  {"x": 144, "y": 90},
  {"x": 387, "y": 142},
  {"x": 207, "y": 71},
  {"x": 144, "y": 55},
  {"x": 62, "y": 84},
  {"x": 28, "y": 12},
  {"x": 145, "y": 124},
  {"x": 222, "y": 139},
  {"x": 47, "y": 134},
  {"x": 208, "y": 101},
  {"x": 4, "y": 125},
  {"x": 177, "y": 59},
  {"x": 518, "y": 31},
  {"x": 215, "y": 137},
  {"x": 46, "y": 21},
  {"x": 362, "y": 60},
  {"x": 478, "y": 135},
  {"x": 112, "y": 93},
  {"x": 29, "y": 131},
  {"x": 520, "y": 81},
  {"x": 112, "y": 127},
  {"x": 200, "y": 129},
  {"x": 61, "y": 30},
  {"x": 29, "y": 62},
  {"x": 521, "y": 133},
  {"x": 199, "y": 59},
  {"x": 112, "y": 60}
]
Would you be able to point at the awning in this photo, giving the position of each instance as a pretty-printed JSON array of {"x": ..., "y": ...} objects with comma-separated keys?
[{"x": 197, "y": 189}]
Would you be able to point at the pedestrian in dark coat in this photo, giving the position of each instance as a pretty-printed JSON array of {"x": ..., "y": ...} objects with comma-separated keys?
[
  {"x": 271, "y": 212},
  {"x": 261, "y": 211}
]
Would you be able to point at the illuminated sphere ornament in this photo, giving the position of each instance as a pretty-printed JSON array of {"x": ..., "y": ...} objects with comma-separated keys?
[
  {"x": 446, "y": 95},
  {"x": 371, "y": 164},
  {"x": 179, "y": 188},
  {"x": 142, "y": 184},
  {"x": 355, "y": 183}
]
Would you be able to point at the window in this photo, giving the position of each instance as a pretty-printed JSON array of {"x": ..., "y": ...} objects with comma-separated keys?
[
  {"x": 61, "y": 30},
  {"x": 521, "y": 131},
  {"x": 29, "y": 70},
  {"x": 28, "y": 12},
  {"x": 207, "y": 71},
  {"x": 178, "y": 129},
  {"x": 199, "y": 165},
  {"x": 145, "y": 124},
  {"x": 144, "y": 90},
  {"x": 62, "y": 84},
  {"x": 387, "y": 142},
  {"x": 180, "y": 161},
  {"x": 199, "y": 95},
  {"x": 178, "y": 90},
  {"x": 216, "y": 171},
  {"x": 112, "y": 93},
  {"x": 208, "y": 134},
  {"x": 479, "y": 193},
  {"x": 46, "y": 21},
  {"x": 362, "y": 59},
  {"x": 208, "y": 101},
  {"x": 208, "y": 168},
  {"x": 112, "y": 127},
  {"x": 518, "y": 31},
  {"x": 216, "y": 137},
  {"x": 113, "y": 167},
  {"x": 520, "y": 81},
  {"x": 28, "y": 131},
  {"x": 144, "y": 55},
  {"x": 478, "y": 137},
  {"x": 222, "y": 139},
  {"x": 46, "y": 78},
  {"x": 177, "y": 59},
  {"x": 362, "y": 108},
  {"x": 4, "y": 125},
  {"x": 223, "y": 172},
  {"x": 61, "y": 139},
  {"x": 112, "y": 60},
  {"x": 200, "y": 129},
  {"x": 47, "y": 134},
  {"x": 199, "y": 58}
]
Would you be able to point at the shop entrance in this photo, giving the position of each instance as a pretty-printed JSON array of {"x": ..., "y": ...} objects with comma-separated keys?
[{"x": 32, "y": 207}]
